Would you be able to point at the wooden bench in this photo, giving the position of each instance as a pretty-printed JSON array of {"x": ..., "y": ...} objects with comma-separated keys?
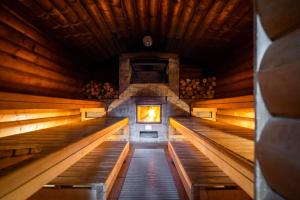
[
  {"x": 58, "y": 148},
  {"x": 92, "y": 177},
  {"x": 237, "y": 111},
  {"x": 229, "y": 147},
  {"x": 201, "y": 178}
]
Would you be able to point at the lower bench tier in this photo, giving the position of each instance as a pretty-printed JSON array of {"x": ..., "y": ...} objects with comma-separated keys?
[
  {"x": 201, "y": 178},
  {"x": 92, "y": 177}
]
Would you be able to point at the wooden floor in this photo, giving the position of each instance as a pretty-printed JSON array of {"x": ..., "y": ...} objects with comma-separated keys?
[{"x": 158, "y": 148}]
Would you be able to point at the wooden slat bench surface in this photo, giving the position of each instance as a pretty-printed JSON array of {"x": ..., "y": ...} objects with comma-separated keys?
[
  {"x": 58, "y": 148},
  {"x": 95, "y": 172},
  {"x": 236, "y": 139},
  {"x": 230, "y": 147},
  {"x": 201, "y": 178}
]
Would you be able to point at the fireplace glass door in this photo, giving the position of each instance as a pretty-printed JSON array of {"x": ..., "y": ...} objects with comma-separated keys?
[{"x": 149, "y": 114}]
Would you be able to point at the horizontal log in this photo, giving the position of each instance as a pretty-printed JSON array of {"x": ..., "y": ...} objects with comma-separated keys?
[
  {"x": 233, "y": 102},
  {"x": 237, "y": 121},
  {"x": 235, "y": 86},
  {"x": 22, "y": 82},
  {"x": 24, "y": 126},
  {"x": 28, "y": 55},
  {"x": 279, "y": 17},
  {"x": 26, "y": 114},
  {"x": 23, "y": 101},
  {"x": 244, "y": 92},
  {"x": 235, "y": 77},
  {"x": 279, "y": 76},
  {"x": 278, "y": 155},
  {"x": 8, "y": 18},
  {"x": 15, "y": 63}
]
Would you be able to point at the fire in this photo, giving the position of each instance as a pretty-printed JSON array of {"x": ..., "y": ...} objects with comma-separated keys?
[{"x": 148, "y": 113}]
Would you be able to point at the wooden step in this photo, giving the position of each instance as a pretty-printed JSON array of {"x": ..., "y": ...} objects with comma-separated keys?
[
  {"x": 201, "y": 178},
  {"x": 60, "y": 147},
  {"x": 92, "y": 176}
]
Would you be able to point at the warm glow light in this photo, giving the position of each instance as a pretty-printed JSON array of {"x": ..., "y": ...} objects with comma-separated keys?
[{"x": 148, "y": 113}]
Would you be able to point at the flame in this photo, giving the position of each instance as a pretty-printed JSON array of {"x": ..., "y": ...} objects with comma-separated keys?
[{"x": 148, "y": 113}]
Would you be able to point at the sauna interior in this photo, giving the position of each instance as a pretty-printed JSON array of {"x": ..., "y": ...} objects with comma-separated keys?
[{"x": 149, "y": 99}]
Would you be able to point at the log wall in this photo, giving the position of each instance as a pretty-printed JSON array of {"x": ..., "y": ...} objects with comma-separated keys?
[
  {"x": 32, "y": 63},
  {"x": 236, "y": 75},
  {"x": 25, "y": 113},
  {"x": 277, "y": 99}
]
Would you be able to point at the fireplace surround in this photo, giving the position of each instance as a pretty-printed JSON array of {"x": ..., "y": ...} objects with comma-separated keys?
[{"x": 163, "y": 93}]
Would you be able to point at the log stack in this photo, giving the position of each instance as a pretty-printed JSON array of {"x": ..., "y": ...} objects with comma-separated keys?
[
  {"x": 197, "y": 88},
  {"x": 97, "y": 90}
]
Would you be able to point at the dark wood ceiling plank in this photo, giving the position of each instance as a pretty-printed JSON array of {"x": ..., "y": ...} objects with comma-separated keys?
[
  {"x": 106, "y": 12},
  {"x": 224, "y": 16},
  {"x": 88, "y": 22},
  {"x": 177, "y": 7},
  {"x": 198, "y": 18},
  {"x": 120, "y": 19},
  {"x": 186, "y": 18},
  {"x": 130, "y": 14},
  {"x": 241, "y": 10},
  {"x": 165, "y": 12},
  {"x": 106, "y": 28},
  {"x": 154, "y": 9},
  {"x": 212, "y": 15},
  {"x": 103, "y": 33},
  {"x": 143, "y": 15}
]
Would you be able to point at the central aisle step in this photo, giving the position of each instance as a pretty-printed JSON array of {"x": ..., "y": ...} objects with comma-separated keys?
[{"x": 149, "y": 177}]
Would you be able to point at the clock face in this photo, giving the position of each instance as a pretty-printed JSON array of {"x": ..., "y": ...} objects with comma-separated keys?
[{"x": 147, "y": 41}]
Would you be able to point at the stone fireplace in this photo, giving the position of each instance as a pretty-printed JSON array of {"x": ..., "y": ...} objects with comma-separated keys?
[{"x": 148, "y": 105}]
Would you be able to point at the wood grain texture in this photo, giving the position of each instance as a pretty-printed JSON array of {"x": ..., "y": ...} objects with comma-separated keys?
[
  {"x": 32, "y": 63},
  {"x": 200, "y": 175},
  {"x": 95, "y": 171},
  {"x": 103, "y": 29},
  {"x": 62, "y": 146},
  {"x": 278, "y": 155},
  {"x": 232, "y": 102},
  {"x": 24, "y": 101},
  {"x": 25, "y": 126},
  {"x": 281, "y": 73},
  {"x": 27, "y": 114},
  {"x": 221, "y": 148},
  {"x": 235, "y": 74},
  {"x": 279, "y": 17}
]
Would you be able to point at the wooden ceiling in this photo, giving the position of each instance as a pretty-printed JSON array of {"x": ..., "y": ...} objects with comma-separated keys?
[{"x": 102, "y": 29}]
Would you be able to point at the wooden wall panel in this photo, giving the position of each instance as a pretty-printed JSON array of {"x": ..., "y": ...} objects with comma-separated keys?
[
  {"x": 236, "y": 75},
  {"x": 278, "y": 95},
  {"x": 32, "y": 63}
]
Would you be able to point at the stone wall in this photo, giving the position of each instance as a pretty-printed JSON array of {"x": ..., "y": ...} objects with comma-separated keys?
[{"x": 125, "y": 106}]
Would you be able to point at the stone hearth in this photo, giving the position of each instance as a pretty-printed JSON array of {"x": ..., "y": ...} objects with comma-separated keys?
[{"x": 130, "y": 94}]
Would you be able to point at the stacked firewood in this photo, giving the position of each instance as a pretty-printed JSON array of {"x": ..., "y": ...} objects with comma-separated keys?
[
  {"x": 197, "y": 88},
  {"x": 97, "y": 90}
]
